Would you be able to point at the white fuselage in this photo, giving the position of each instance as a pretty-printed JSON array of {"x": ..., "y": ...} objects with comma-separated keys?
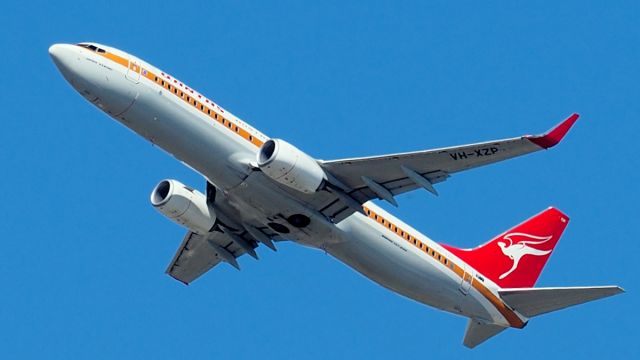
[{"x": 379, "y": 246}]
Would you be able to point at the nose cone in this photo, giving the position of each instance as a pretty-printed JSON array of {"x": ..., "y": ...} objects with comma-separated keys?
[
  {"x": 63, "y": 55},
  {"x": 55, "y": 48}
]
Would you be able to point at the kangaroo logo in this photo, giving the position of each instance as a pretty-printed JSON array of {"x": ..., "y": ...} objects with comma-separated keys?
[{"x": 515, "y": 251}]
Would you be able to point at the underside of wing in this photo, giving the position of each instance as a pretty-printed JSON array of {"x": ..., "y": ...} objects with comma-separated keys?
[{"x": 199, "y": 253}]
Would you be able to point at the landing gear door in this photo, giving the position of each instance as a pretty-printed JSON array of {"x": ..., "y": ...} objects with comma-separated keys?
[
  {"x": 133, "y": 72},
  {"x": 467, "y": 280}
]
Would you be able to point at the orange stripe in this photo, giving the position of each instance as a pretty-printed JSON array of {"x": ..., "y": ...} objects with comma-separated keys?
[
  {"x": 508, "y": 314},
  {"x": 511, "y": 317},
  {"x": 188, "y": 98},
  {"x": 115, "y": 58}
]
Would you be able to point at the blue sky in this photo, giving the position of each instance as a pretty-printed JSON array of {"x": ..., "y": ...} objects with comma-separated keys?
[{"x": 84, "y": 253}]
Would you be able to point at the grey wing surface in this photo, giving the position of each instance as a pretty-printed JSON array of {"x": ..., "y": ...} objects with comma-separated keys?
[
  {"x": 199, "y": 253},
  {"x": 385, "y": 176}
]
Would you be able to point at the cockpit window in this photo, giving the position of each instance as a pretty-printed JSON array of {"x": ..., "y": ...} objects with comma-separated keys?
[{"x": 92, "y": 48}]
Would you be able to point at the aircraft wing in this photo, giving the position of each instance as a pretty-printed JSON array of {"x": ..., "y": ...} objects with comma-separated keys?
[
  {"x": 199, "y": 253},
  {"x": 385, "y": 176}
]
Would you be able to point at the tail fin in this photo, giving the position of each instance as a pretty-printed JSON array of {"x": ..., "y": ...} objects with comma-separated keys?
[
  {"x": 515, "y": 258},
  {"x": 478, "y": 332}
]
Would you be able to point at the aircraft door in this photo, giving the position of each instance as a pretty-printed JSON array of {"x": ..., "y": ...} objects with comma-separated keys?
[
  {"x": 467, "y": 280},
  {"x": 133, "y": 72}
]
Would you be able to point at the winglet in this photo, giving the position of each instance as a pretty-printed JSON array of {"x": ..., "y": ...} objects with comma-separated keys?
[{"x": 553, "y": 136}]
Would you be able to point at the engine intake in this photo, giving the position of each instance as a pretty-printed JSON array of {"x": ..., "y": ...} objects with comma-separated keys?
[
  {"x": 290, "y": 166},
  {"x": 184, "y": 205}
]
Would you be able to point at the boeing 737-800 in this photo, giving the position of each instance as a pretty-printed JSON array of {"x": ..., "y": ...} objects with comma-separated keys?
[{"x": 260, "y": 190}]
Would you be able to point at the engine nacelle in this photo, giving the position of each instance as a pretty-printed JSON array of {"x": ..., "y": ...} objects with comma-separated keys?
[
  {"x": 290, "y": 166},
  {"x": 184, "y": 205}
]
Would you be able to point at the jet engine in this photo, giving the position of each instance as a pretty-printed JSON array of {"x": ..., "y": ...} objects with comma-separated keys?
[
  {"x": 290, "y": 166},
  {"x": 184, "y": 205}
]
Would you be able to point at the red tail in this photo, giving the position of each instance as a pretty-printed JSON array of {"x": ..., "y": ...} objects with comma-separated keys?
[{"x": 516, "y": 258}]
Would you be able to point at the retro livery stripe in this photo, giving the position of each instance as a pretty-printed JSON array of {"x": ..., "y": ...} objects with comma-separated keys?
[
  {"x": 208, "y": 108},
  {"x": 187, "y": 95},
  {"x": 513, "y": 319}
]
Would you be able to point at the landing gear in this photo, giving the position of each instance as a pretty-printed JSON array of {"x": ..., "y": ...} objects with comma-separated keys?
[
  {"x": 299, "y": 220},
  {"x": 279, "y": 227}
]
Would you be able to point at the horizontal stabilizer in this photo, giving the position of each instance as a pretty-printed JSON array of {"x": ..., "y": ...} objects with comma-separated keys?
[
  {"x": 478, "y": 332},
  {"x": 536, "y": 301}
]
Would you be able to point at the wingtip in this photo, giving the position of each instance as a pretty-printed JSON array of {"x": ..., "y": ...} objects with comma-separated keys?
[{"x": 555, "y": 135}]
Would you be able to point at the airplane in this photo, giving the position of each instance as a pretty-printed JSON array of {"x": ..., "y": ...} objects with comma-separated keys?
[{"x": 259, "y": 191}]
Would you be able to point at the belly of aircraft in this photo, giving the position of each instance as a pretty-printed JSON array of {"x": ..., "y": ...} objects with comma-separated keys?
[
  {"x": 197, "y": 142},
  {"x": 208, "y": 149},
  {"x": 395, "y": 266}
]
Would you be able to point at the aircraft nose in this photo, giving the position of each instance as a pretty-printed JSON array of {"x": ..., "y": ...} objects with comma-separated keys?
[
  {"x": 53, "y": 49},
  {"x": 63, "y": 55}
]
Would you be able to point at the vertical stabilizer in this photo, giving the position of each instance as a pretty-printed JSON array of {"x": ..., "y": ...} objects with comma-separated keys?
[
  {"x": 478, "y": 332},
  {"x": 516, "y": 257}
]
